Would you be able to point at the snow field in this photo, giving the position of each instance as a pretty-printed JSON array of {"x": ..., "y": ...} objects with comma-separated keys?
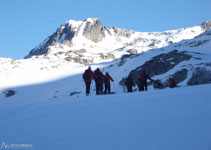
[{"x": 173, "y": 119}]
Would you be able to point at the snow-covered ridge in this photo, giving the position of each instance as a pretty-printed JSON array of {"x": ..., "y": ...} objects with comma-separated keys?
[{"x": 96, "y": 39}]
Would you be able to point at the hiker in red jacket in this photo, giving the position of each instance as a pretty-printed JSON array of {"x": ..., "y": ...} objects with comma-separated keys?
[
  {"x": 143, "y": 81},
  {"x": 172, "y": 83},
  {"x": 107, "y": 83},
  {"x": 87, "y": 77},
  {"x": 99, "y": 79}
]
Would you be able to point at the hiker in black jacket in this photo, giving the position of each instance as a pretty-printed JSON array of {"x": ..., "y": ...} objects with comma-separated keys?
[
  {"x": 107, "y": 83},
  {"x": 129, "y": 83},
  {"x": 88, "y": 75}
]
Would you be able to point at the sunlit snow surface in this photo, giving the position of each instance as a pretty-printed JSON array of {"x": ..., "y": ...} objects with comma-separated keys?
[{"x": 169, "y": 119}]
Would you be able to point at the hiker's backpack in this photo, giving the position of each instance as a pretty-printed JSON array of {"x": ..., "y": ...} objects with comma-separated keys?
[
  {"x": 97, "y": 76},
  {"x": 87, "y": 75},
  {"x": 129, "y": 81},
  {"x": 143, "y": 78},
  {"x": 155, "y": 84}
]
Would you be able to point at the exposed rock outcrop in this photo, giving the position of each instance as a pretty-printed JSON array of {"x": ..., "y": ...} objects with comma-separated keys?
[
  {"x": 200, "y": 76},
  {"x": 94, "y": 30},
  {"x": 206, "y": 25},
  {"x": 9, "y": 93},
  {"x": 107, "y": 56},
  {"x": 122, "y": 32},
  {"x": 64, "y": 34},
  {"x": 124, "y": 59},
  {"x": 132, "y": 51},
  {"x": 180, "y": 75},
  {"x": 80, "y": 60},
  {"x": 161, "y": 63},
  {"x": 197, "y": 43}
]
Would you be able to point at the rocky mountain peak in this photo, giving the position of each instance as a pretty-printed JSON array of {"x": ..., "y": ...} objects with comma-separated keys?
[
  {"x": 98, "y": 40},
  {"x": 206, "y": 25},
  {"x": 91, "y": 28},
  {"x": 94, "y": 30},
  {"x": 92, "y": 20}
]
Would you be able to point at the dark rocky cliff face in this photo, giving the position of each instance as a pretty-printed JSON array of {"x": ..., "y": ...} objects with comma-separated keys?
[
  {"x": 161, "y": 64},
  {"x": 200, "y": 76},
  {"x": 94, "y": 31},
  {"x": 66, "y": 33}
]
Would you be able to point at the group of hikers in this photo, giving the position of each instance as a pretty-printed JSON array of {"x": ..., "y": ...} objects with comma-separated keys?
[
  {"x": 142, "y": 82},
  {"x": 101, "y": 79}
]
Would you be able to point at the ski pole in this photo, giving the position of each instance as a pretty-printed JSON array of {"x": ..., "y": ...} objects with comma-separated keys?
[
  {"x": 114, "y": 87},
  {"x": 80, "y": 91},
  {"x": 124, "y": 89},
  {"x": 91, "y": 87}
]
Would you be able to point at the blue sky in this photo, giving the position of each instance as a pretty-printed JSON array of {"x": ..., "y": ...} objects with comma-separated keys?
[{"x": 26, "y": 23}]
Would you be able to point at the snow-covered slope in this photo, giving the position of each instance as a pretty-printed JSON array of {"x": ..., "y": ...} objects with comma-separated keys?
[{"x": 172, "y": 119}]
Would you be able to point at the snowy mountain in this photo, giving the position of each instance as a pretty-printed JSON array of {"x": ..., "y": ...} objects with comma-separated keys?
[
  {"x": 90, "y": 42},
  {"x": 183, "y": 54},
  {"x": 43, "y": 103}
]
